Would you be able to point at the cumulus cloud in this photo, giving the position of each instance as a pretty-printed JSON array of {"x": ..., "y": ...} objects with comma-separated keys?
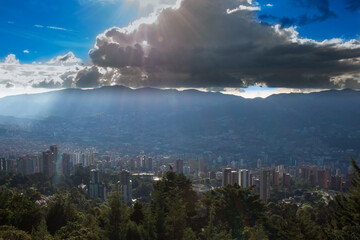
[
  {"x": 88, "y": 78},
  {"x": 58, "y": 73},
  {"x": 201, "y": 45},
  {"x": 67, "y": 59},
  {"x": 11, "y": 59},
  {"x": 47, "y": 84}
]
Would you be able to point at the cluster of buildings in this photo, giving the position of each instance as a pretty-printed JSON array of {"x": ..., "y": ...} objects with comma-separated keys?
[
  {"x": 220, "y": 168},
  {"x": 48, "y": 162},
  {"x": 264, "y": 178}
]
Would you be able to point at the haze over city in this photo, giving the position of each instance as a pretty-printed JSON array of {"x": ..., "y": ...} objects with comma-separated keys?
[{"x": 179, "y": 119}]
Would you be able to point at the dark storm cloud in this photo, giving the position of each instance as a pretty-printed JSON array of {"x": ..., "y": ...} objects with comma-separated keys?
[
  {"x": 88, "y": 78},
  {"x": 322, "y": 6},
  {"x": 353, "y": 5},
  {"x": 200, "y": 45}
]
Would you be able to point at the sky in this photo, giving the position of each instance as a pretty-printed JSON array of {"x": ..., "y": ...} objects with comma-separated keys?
[{"x": 243, "y": 47}]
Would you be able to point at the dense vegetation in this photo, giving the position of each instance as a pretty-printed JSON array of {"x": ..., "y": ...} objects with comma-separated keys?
[{"x": 174, "y": 212}]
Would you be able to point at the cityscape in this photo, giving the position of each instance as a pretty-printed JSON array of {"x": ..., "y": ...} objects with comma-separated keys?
[
  {"x": 217, "y": 172},
  {"x": 180, "y": 120}
]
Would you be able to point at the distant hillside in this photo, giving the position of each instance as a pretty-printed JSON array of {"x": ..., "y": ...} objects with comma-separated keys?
[
  {"x": 72, "y": 103},
  {"x": 186, "y": 119}
]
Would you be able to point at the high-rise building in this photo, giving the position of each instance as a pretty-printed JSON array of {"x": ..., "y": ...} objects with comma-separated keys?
[
  {"x": 186, "y": 170},
  {"x": 26, "y": 164},
  {"x": 192, "y": 165},
  {"x": 49, "y": 159},
  {"x": 258, "y": 164},
  {"x": 201, "y": 165},
  {"x": 286, "y": 180},
  {"x": 323, "y": 178},
  {"x": 47, "y": 163},
  {"x": 149, "y": 164},
  {"x": 226, "y": 176},
  {"x": 132, "y": 163},
  {"x": 336, "y": 183},
  {"x": 3, "y": 164},
  {"x": 314, "y": 172},
  {"x": 234, "y": 177},
  {"x": 179, "y": 166},
  {"x": 54, "y": 150},
  {"x": 265, "y": 185},
  {"x": 66, "y": 164},
  {"x": 305, "y": 173},
  {"x": 212, "y": 175},
  {"x": 143, "y": 162},
  {"x": 90, "y": 160},
  {"x": 96, "y": 187},
  {"x": 126, "y": 186},
  {"x": 244, "y": 178},
  {"x": 276, "y": 176}
]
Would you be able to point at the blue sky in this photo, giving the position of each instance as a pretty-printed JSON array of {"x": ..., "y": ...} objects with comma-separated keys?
[
  {"x": 344, "y": 23},
  {"x": 87, "y": 18}
]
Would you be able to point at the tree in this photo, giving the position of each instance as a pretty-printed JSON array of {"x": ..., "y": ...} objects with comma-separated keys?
[
  {"x": 347, "y": 214},
  {"x": 137, "y": 214},
  {"x": 116, "y": 218},
  {"x": 134, "y": 232},
  {"x": 41, "y": 232},
  {"x": 60, "y": 212},
  {"x": 18, "y": 210},
  {"x": 175, "y": 220},
  {"x": 12, "y": 233}
]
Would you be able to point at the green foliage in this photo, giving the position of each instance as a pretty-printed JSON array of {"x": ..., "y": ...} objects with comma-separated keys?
[
  {"x": 116, "y": 218},
  {"x": 347, "y": 214},
  {"x": 41, "y": 232},
  {"x": 177, "y": 212},
  {"x": 59, "y": 213},
  {"x": 134, "y": 232},
  {"x": 18, "y": 210},
  {"x": 137, "y": 214},
  {"x": 11, "y": 233},
  {"x": 74, "y": 230},
  {"x": 235, "y": 208},
  {"x": 143, "y": 189},
  {"x": 173, "y": 206}
]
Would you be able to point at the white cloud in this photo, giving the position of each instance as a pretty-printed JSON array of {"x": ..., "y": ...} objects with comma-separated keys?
[
  {"x": 26, "y": 51},
  {"x": 58, "y": 28},
  {"x": 11, "y": 59},
  {"x": 66, "y": 59},
  {"x": 243, "y": 8},
  {"x": 38, "y": 26},
  {"x": 269, "y": 5},
  {"x": 16, "y": 78}
]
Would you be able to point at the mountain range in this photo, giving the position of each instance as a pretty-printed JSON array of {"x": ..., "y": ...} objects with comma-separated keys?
[{"x": 171, "y": 119}]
